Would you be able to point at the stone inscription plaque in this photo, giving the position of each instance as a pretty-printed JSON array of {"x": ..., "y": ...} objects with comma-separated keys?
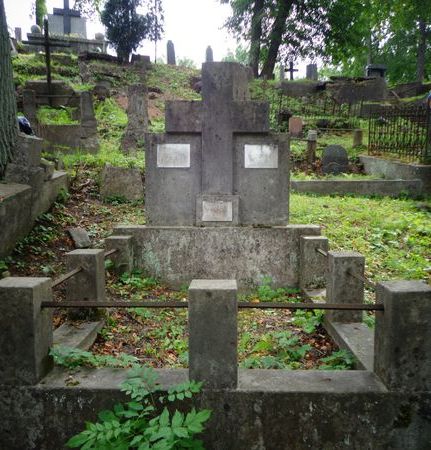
[
  {"x": 173, "y": 155},
  {"x": 260, "y": 156},
  {"x": 217, "y": 211}
]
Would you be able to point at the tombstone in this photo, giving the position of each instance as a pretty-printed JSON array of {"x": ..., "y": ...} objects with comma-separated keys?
[
  {"x": 311, "y": 72},
  {"x": 66, "y": 21},
  {"x": 122, "y": 182},
  {"x": 35, "y": 29},
  {"x": 282, "y": 72},
  {"x": 18, "y": 34},
  {"x": 170, "y": 50},
  {"x": 137, "y": 114},
  {"x": 376, "y": 70},
  {"x": 209, "y": 57},
  {"x": 217, "y": 164},
  {"x": 335, "y": 160},
  {"x": 295, "y": 126}
]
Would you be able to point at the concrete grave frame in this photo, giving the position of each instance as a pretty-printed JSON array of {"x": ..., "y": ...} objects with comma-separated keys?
[{"x": 378, "y": 408}]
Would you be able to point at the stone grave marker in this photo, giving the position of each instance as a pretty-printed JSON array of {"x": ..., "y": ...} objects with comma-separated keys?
[
  {"x": 67, "y": 21},
  {"x": 209, "y": 57},
  {"x": 137, "y": 114},
  {"x": 170, "y": 51},
  {"x": 122, "y": 182},
  {"x": 295, "y": 126},
  {"x": 311, "y": 72},
  {"x": 335, "y": 160},
  {"x": 217, "y": 164}
]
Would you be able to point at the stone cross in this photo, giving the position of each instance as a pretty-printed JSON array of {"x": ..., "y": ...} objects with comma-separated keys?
[
  {"x": 291, "y": 70},
  {"x": 67, "y": 14},
  {"x": 217, "y": 164}
]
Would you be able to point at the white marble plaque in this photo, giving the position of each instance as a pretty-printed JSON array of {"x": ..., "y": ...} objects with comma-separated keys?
[
  {"x": 173, "y": 155},
  {"x": 217, "y": 211},
  {"x": 261, "y": 156}
]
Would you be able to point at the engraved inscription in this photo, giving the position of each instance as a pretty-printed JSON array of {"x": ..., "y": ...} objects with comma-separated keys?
[
  {"x": 217, "y": 211},
  {"x": 173, "y": 155},
  {"x": 260, "y": 156}
]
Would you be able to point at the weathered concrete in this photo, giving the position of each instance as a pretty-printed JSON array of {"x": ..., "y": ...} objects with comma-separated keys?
[
  {"x": 81, "y": 335},
  {"x": 342, "y": 287},
  {"x": 312, "y": 265},
  {"x": 398, "y": 170},
  {"x": 403, "y": 336},
  {"x": 213, "y": 331},
  {"x": 123, "y": 182},
  {"x": 298, "y": 89},
  {"x": 177, "y": 255},
  {"x": 123, "y": 257},
  {"x": 137, "y": 115},
  {"x": 80, "y": 237},
  {"x": 271, "y": 410},
  {"x": 26, "y": 331},
  {"x": 89, "y": 283},
  {"x": 389, "y": 188}
]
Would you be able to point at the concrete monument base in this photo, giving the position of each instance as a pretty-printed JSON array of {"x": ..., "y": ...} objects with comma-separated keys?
[{"x": 176, "y": 255}]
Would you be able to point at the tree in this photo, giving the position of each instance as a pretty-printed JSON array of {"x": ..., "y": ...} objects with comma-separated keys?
[
  {"x": 278, "y": 30},
  {"x": 40, "y": 12},
  {"x": 8, "y": 122},
  {"x": 125, "y": 28}
]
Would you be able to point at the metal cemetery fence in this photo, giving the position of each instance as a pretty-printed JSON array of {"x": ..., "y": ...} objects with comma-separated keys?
[{"x": 403, "y": 131}]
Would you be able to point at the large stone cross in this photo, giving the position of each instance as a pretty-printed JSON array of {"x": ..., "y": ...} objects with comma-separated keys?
[
  {"x": 217, "y": 163},
  {"x": 226, "y": 109},
  {"x": 67, "y": 14}
]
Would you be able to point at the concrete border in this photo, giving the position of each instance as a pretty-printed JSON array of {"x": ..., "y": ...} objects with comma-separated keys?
[{"x": 389, "y": 188}]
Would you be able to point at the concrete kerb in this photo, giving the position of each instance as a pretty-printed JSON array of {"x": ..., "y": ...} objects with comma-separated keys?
[
  {"x": 123, "y": 257},
  {"x": 403, "y": 338}
]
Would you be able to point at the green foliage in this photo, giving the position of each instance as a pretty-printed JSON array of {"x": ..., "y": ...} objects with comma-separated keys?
[
  {"x": 308, "y": 320},
  {"x": 186, "y": 62},
  {"x": 56, "y": 116},
  {"x": 138, "y": 424},
  {"x": 125, "y": 28},
  {"x": 73, "y": 357},
  {"x": 266, "y": 293},
  {"x": 276, "y": 350},
  {"x": 137, "y": 281},
  {"x": 240, "y": 55},
  {"x": 339, "y": 360},
  {"x": 40, "y": 12}
]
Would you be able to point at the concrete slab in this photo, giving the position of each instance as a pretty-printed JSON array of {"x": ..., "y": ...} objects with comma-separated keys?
[{"x": 80, "y": 335}]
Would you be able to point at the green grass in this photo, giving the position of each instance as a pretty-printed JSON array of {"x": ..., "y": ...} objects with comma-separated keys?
[
  {"x": 301, "y": 176},
  {"x": 56, "y": 116},
  {"x": 393, "y": 234}
]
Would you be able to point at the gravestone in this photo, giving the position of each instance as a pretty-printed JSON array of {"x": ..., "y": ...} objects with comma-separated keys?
[
  {"x": 282, "y": 72},
  {"x": 137, "y": 114},
  {"x": 121, "y": 182},
  {"x": 217, "y": 164},
  {"x": 295, "y": 126},
  {"x": 209, "y": 57},
  {"x": 170, "y": 50},
  {"x": 18, "y": 34},
  {"x": 66, "y": 21},
  {"x": 335, "y": 160},
  {"x": 311, "y": 72}
]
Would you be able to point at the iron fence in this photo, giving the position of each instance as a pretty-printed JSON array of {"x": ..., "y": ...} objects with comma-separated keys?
[{"x": 402, "y": 131}]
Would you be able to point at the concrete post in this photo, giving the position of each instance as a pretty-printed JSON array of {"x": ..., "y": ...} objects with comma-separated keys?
[
  {"x": 357, "y": 137},
  {"x": 123, "y": 257},
  {"x": 341, "y": 287},
  {"x": 312, "y": 265},
  {"x": 213, "y": 333},
  {"x": 311, "y": 146},
  {"x": 402, "y": 348},
  {"x": 26, "y": 330},
  {"x": 89, "y": 284}
]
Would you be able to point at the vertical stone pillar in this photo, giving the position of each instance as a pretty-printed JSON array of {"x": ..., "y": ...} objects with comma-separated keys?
[
  {"x": 312, "y": 264},
  {"x": 402, "y": 346},
  {"x": 123, "y": 257},
  {"x": 357, "y": 137},
  {"x": 209, "y": 57},
  {"x": 89, "y": 284},
  {"x": 341, "y": 287},
  {"x": 137, "y": 114},
  {"x": 170, "y": 52},
  {"x": 311, "y": 146},
  {"x": 25, "y": 330},
  {"x": 213, "y": 333},
  {"x": 29, "y": 107}
]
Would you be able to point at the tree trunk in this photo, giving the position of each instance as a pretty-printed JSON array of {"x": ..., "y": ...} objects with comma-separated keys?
[
  {"x": 8, "y": 121},
  {"x": 256, "y": 34},
  {"x": 422, "y": 44},
  {"x": 276, "y": 37}
]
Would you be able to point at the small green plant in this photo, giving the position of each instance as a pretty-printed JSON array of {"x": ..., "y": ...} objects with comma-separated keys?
[
  {"x": 266, "y": 293},
  {"x": 136, "y": 280},
  {"x": 308, "y": 320},
  {"x": 138, "y": 424},
  {"x": 339, "y": 360},
  {"x": 74, "y": 357}
]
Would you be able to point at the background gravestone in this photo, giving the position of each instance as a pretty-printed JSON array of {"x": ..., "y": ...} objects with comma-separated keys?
[
  {"x": 311, "y": 72},
  {"x": 295, "y": 126},
  {"x": 209, "y": 57},
  {"x": 137, "y": 115},
  {"x": 170, "y": 50},
  {"x": 122, "y": 182},
  {"x": 335, "y": 160}
]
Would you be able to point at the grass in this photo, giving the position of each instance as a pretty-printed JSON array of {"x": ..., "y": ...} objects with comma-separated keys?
[
  {"x": 56, "y": 116},
  {"x": 393, "y": 234}
]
